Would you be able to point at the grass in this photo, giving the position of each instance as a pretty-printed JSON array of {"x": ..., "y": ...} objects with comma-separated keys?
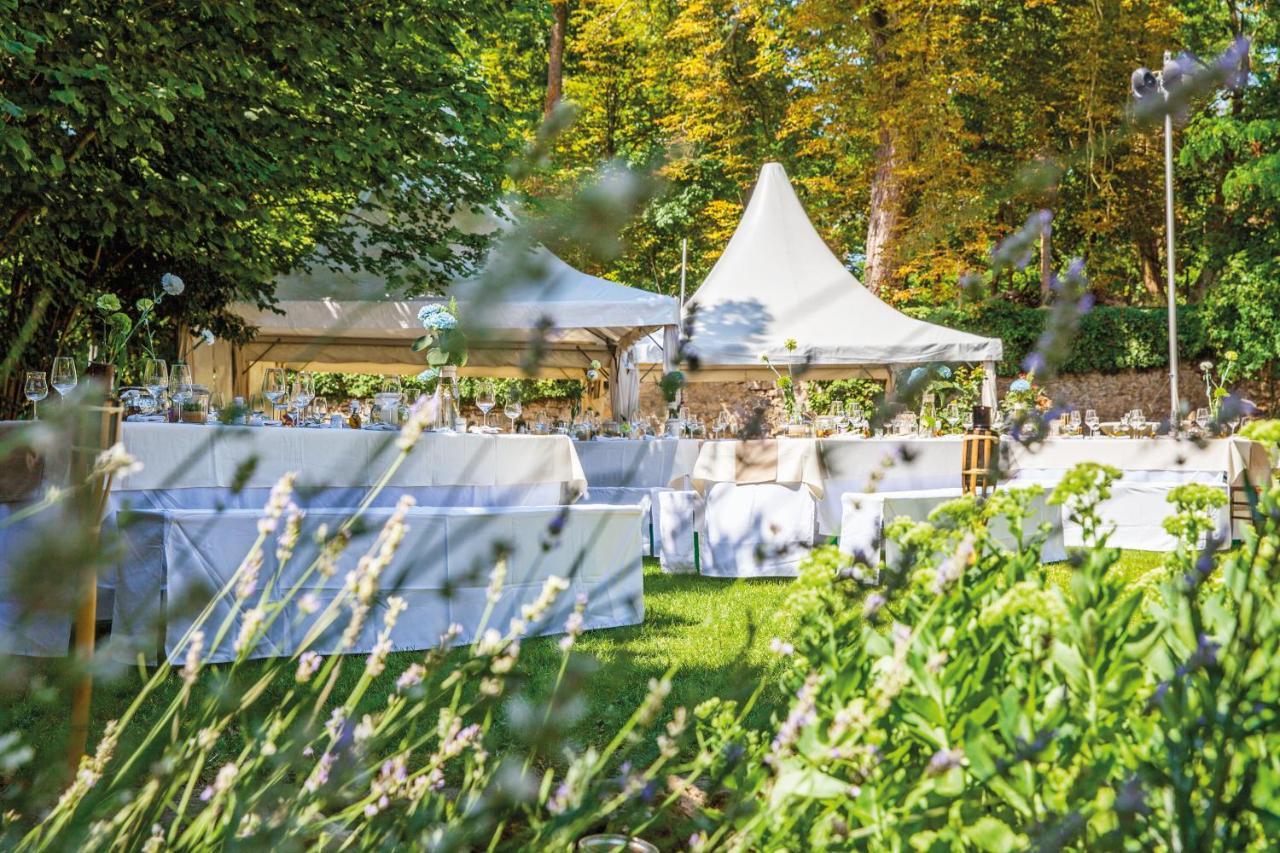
[{"x": 714, "y": 632}]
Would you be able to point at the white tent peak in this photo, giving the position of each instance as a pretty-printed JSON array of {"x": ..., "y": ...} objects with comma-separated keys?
[{"x": 777, "y": 280}]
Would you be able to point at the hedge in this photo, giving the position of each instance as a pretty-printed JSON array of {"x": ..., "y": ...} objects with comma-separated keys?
[{"x": 1111, "y": 338}]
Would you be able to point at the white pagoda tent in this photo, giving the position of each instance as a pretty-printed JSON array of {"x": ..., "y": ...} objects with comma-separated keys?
[{"x": 778, "y": 281}]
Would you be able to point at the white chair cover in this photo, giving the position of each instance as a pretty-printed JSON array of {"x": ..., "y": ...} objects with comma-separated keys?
[
  {"x": 681, "y": 531},
  {"x": 758, "y": 530}
]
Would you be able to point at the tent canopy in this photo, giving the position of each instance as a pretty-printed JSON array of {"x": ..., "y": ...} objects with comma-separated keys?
[
  {"x": 778, "y": 281},
  {"x": 350, "y": 321}
]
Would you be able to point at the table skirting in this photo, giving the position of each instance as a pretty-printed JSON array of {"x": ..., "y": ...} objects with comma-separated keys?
[{"x": 178, "y": 560}]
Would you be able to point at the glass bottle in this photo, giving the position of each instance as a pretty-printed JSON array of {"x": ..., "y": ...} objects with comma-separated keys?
[
  {"x": 449, "y": 397},
  {"x": 353, "y": 420}
]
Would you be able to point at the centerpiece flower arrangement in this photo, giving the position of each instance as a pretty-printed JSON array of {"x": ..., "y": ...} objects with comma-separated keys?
[
  {"x": 1216, "y": 382},
  {"x": 118, "y": 328},
  {"x": 1024, "y": 395},
  {"x": 444, "y": 343},
  {"x": 786, "y": 384}
]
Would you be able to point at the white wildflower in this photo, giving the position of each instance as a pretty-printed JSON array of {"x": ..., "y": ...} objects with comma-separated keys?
[
  {"x": 115, "y": 460},
  {"x": 250, "y": 624},
  {"x": 191, "y": 667},
  {"x": 308, "y": 664},
  {"x": 171, "y": 284}
]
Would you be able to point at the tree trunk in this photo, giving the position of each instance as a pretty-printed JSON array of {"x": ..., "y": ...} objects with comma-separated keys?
[
  {"x": 1046, "y": 262},
  {"x": 555, "y": 55},
  {"x": 885, "y": 215},
  {"x": 1148, "y": 246}
]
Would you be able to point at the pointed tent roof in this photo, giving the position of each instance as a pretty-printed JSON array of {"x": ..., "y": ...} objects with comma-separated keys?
[{"x": 777, "y": 280}]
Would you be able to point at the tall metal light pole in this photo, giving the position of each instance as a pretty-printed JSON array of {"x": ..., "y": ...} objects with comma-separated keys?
[{"x": 1145, "y": 85}]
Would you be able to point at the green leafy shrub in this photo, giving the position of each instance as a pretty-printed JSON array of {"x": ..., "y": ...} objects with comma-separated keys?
[{"x": 965, "y": 701}]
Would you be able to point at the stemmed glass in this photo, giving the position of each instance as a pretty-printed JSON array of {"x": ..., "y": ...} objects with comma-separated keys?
[
  {"x": 275, "y": 387},
  {"x": 1092, "y": 422},
  {"x": 181, "y": 386},
  {"x": 1138, "y": 422},
  {"x": 1075, "y": 422},
  {"x": 63, "y": 376},
  {"x": 155, "y": 378},
  {"x": 304, "y": 391},
  {"x": 952, "y": 414},
  {"x": 486, "y": 400},
  {"x": 1126, "y": 422},
  {"x": 36, "y": 389},
  {"x": 513, "y": 409}
]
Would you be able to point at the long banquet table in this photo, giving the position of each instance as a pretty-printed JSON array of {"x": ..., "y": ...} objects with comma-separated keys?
[
  {"x": 199, "y": 467},
  {"x": 829, "y": 468},
  {"x": 643, "y": 464}
]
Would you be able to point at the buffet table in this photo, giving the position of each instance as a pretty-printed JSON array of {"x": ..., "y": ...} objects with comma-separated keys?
[{"x": 199, "y": 467}]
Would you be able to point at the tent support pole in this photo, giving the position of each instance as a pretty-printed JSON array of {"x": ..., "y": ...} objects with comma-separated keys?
[{"x": 989, "y": 384}]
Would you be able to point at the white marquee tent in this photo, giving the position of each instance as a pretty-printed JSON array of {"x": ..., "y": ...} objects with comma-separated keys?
[
  {"x": 778, "y": 280},
  {"x": 348, "y": 322}
]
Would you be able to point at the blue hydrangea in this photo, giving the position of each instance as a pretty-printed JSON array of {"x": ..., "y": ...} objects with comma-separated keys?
[
  {"x": 436, "y": 318},
  {"x": 916, "y": 376},
  {"x": 431, "y": 374},
  {"x": 1020, "y": 385},
  {"x": 944, "y": 371}
]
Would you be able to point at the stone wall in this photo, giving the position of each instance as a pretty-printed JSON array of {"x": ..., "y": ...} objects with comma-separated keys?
[{"x": 1110, "y": 394}]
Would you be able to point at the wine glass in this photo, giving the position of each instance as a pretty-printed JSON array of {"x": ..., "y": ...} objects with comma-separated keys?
[
  {"x": 275, "y": 387},
  {"x": 63, "y": 375},
  {"x": 485, "y": 400},
  {"x": 320, "y": 410},
  {"x": 155, "y": 378},
  {"x": 952, "y": 414},
  {"x": 513, "y": 409},
  {"x": 181, "y": 386},
  {"x": 1075, "y": 422},
  {"x": 304, "y": 391},
  {"x": 36, "y": 389},
  {"x": 968, "y": 421},
  {"x": 1091, "y": 421},
  {"x": 1138, "y": 422},
  {"x": 216, "y": 404}
]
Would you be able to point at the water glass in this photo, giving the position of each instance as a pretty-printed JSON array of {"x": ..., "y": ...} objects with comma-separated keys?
[
  {"x": 1091, "y": 421},
  {"x": 36, "y": 388},
  {"x": 180, "y": 383},
  {"x": 63, "y": 375},
  {"x": 155, "y": 377},
  {"x": 1202, "y": 419},
  {"x": 513, "y": 410},
  {"x": 275, "y": 387},
  {"x": 486, "y": 399}
]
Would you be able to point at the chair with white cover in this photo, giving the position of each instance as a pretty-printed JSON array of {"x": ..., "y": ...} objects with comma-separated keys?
[
  {"x": 758, "y": 530},
  {"x": 629, "y": 496},
  {"x": 680, "y": 523},
  {"x": 1134, "y": 517},
  {"x": 866, "y": 515}
]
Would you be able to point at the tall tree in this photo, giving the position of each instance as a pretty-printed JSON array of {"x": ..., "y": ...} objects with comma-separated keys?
[
  {"x": 223, "y": 142},
  {"x": 555, "y": 55}
]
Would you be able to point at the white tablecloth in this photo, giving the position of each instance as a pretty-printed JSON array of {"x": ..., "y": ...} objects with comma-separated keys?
[
  {"x": 1227, "y": 460},
  {"x": 456, "y": 469},
  {"x": 442, "y": 567},
  {"x": 637, "y": 463},
  {"x": 830, "y": 468}
]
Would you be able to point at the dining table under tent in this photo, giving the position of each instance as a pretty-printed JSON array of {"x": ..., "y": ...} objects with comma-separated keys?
[
  {"x": 349, "y": 321},
  {"x": 777, "y": 280}
]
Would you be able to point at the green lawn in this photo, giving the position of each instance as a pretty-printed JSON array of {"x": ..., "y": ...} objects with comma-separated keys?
[{"x": 715, "y": 632}]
